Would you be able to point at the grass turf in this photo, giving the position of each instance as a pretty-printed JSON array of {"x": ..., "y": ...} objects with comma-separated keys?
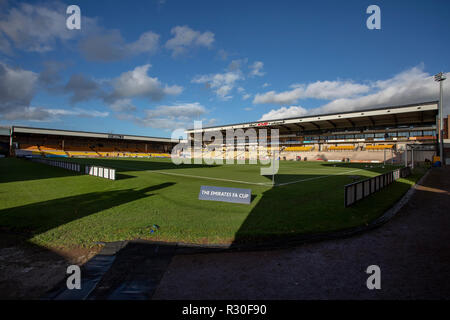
[{"x": 59, "y": 208}]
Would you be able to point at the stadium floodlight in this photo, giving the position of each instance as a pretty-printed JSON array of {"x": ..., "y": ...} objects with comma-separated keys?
[{"x": 440, "y": 77}]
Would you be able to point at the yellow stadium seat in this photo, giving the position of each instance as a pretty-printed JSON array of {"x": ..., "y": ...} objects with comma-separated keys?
[
  {"x": 379, "y": 147},
  {"x": 304, "y": 148},
  {"x": 337, "y": 148}
]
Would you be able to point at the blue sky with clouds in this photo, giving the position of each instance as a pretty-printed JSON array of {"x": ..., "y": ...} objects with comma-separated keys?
[{"x": 149, "y": 67}]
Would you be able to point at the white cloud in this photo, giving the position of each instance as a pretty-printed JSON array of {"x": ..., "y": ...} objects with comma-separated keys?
[
  {"x": 316, "y": 90},
  {"x": 173, "y": 90},
  {"x": 171, "y": 116},
  {"x": 41, "y": 114},
  {"x": 185, "y": 38},
  {"x": 5, "y": 46},
  {"x": 235, "y": 65},
  {"x": 41, "y": 27},
  {"x": 77, "y": 112},
  {"x": 82, "y": 88},
  {"x": 36, "y": 27},
  {"x": 109, "y": 45},
  {"x": 136, "y": 83},
  {"x": 256, "y": 69},
  {"x": 246, "y": 96},
  {"x": 17, "y": 88},
  {"x": 50, "y": 76},
  {"x": 221, "y": 83},
  {"x": 122, "y": 105},
  {"x": 188, "y": 111},
  {"x": 265, "y": 85},
  {"x": 333, "y": 89},
  {"x": 285, "y": 112},
  {"x": 104, "y": 46},
  {"x": 285, "y": 97},
  {"x": 148, "y": 42},
  {"x": 411, "y": 86},
  {"x": 27, "y": 113},
  {"x": 224, "y": 83}
]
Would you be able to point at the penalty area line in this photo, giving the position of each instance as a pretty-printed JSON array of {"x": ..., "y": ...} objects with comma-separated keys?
[
  {"x": 211, "y": 178},
  {"x": 315, "y": 178}
]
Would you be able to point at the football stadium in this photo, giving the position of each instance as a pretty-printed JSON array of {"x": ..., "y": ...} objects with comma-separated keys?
[
  {"x": 232, "y": 157},
  {"x": 337, "y": 171}
]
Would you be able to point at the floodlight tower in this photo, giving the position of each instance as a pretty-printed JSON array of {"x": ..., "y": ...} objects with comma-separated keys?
[{"x": 440, "y": 77}]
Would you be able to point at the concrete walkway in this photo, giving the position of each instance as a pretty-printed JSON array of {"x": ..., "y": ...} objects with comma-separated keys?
[{"x": 412, "y": 250}]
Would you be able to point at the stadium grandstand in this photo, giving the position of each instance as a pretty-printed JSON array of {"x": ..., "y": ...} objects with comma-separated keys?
[
  {"x": 27, "y": 141},
  {"x": 370, "y": 135},
  {"x": 5, "y": 134}
]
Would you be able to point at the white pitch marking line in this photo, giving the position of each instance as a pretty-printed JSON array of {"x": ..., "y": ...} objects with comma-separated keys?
[
  {"x": 246, "y": 182},
  {"x": 315, "y": 178},
  {"x": 211, "y": 178},
  {"x": 238, "y": 181}
]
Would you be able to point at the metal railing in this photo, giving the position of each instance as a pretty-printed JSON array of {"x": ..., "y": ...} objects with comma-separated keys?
[
  {"x": 97, "y": 171},
  {"x": 101, "y": 172},
  {"x": 359, "y": 190},
  {"x": 60, "y": 164}
]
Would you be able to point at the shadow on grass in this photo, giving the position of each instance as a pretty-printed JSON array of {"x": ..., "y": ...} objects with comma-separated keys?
[
  {"x": 122, "y": 176},
  {"x": 19, "y": 224},
  {"x": 281, "y": 212},
  {"x": 39, "y": 217},
  {"x": 13, "y": 170},
  {"x": 124, "y": 165},
  {"x": 313, "y": 205}
]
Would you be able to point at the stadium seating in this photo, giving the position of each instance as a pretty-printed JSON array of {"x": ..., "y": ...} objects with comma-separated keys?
[
  {"x": 304, "y": 148},
  {"x": 82, "y": 153},
  {"x": 55, "y": 152},
  {"x": 422, "y": 138},
  {"x": 341, "y": 148},
  {"x": 73, "y": 150},
  {"x": 379, "y": 147},
  {"x": 29, "y": 147},
  {"x": 49, "y": 148}
]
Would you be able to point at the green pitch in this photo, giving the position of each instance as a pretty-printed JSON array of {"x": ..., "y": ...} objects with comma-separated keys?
[{"x": 58, "y": 208}]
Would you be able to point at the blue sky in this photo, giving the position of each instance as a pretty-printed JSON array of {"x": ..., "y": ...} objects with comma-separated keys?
[{"x": 149, "y": 67}]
